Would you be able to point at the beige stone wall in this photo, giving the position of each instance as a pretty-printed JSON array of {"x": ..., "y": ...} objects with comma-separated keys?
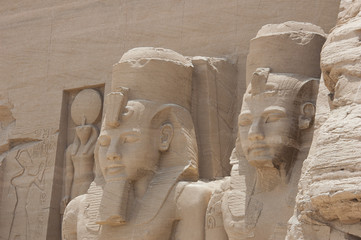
[{"x": 68, "y": 44}]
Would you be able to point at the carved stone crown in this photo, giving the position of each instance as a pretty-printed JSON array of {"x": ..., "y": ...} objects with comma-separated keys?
[
  {"x": 290, "y": 47},
  {"x": 155, "y": 74}
]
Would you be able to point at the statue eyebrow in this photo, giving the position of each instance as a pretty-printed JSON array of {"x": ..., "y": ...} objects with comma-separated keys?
[
  {"x": 131, "y": 132},
  {"x": 126, "y": 132},
  {"x": 274, "y": 109},
  {"x": 243, "y": 115}
]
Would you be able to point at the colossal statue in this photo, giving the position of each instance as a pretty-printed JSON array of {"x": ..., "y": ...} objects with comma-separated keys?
[
  {"x": 146, "y": 157},
  {"x": 79, "y": 156},
  {"x": 328, "y": 202},
  {"x": 276, "y": 118}
]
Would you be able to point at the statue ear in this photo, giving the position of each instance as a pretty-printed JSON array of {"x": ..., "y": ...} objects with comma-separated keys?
[
  {"x": 308, "y": 111},
  {"x": 166, "y": 136}
]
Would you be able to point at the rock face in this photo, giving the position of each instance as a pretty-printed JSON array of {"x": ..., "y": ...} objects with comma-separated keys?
[{"x": 329, "y": 189}]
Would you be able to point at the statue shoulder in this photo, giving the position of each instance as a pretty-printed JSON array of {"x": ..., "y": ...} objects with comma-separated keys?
[
  {"x": 192, "y": 197},
  {"x": 193, "y": 193},
  {"x": 191, "y": 200},
  {"x": 70, "y": 218}
]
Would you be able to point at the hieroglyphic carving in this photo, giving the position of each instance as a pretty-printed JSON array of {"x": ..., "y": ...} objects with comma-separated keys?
[
  {"x": 79, "y": 156},
  {"x": 26, "y": 192},
  {"x": 214, "y": 228},
  {"x": 146, "y": 147},
  {"x": 43, "y": 150}
]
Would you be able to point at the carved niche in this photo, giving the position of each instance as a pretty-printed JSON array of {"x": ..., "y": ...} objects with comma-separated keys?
[{"x": 85, "y": 113}]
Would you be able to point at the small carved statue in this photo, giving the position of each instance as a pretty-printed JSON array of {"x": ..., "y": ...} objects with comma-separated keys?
[
  {"x": 146, "y": 156},
  {"x": 79, "y": 155}
]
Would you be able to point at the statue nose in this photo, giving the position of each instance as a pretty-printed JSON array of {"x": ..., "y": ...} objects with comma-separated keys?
[
  {"x": 256, "y": 130},
  {"x": 113, "y": 156},
  {"x": 113, "y": 152}
]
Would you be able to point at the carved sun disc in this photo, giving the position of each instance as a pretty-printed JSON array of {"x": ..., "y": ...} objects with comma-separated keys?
[{"x": 87, "y": 104}]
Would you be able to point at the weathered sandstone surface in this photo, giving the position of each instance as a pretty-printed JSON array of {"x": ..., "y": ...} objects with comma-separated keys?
[
  {"x": 162, "y": 82},
  {"x": 328, "y": 202}
]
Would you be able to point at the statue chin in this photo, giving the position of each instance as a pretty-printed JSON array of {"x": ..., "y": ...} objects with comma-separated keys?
[{"x": 261, "y": 162}]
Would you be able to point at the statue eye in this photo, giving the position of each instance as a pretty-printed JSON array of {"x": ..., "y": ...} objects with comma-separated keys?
[
  {"x": 130, "y": 138},
  {"x": 104, "y": 140},
  {"x": 273, "y": 117}
]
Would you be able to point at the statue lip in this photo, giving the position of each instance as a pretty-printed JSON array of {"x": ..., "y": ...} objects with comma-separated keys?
[
  {"x": 257, "y": 151},
  {"x": 115, "y": 169},
  {"x": 257, "y": 146}
]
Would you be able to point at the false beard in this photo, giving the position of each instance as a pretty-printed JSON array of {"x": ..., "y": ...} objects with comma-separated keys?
[{"x": 114, "y": 203}]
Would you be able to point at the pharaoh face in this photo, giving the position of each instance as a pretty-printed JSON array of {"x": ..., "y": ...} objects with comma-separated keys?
[
  {"x": 126, "y": 152},
  {"x": 268, "y": 128}
]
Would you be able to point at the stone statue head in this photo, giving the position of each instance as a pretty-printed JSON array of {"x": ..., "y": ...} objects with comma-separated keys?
[
  {"x": 147, "y": 139},
  {"x": 147, "y": 131},
  {"x": 276, "y": 107},
  {"x": 282, "y": 72}
]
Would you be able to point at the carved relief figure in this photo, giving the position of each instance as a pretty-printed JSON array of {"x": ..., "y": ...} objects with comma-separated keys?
[
  {"x": 31, "y": 174},
  {"x": 79, "y": 155},
  {"x": 145, "y": 153},
  {"x": 278, "y": 109},
  {"x": 330, "y": 192}
]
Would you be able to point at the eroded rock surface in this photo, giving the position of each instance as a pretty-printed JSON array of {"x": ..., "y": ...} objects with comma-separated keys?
[{"x": 329, "y": 191}]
